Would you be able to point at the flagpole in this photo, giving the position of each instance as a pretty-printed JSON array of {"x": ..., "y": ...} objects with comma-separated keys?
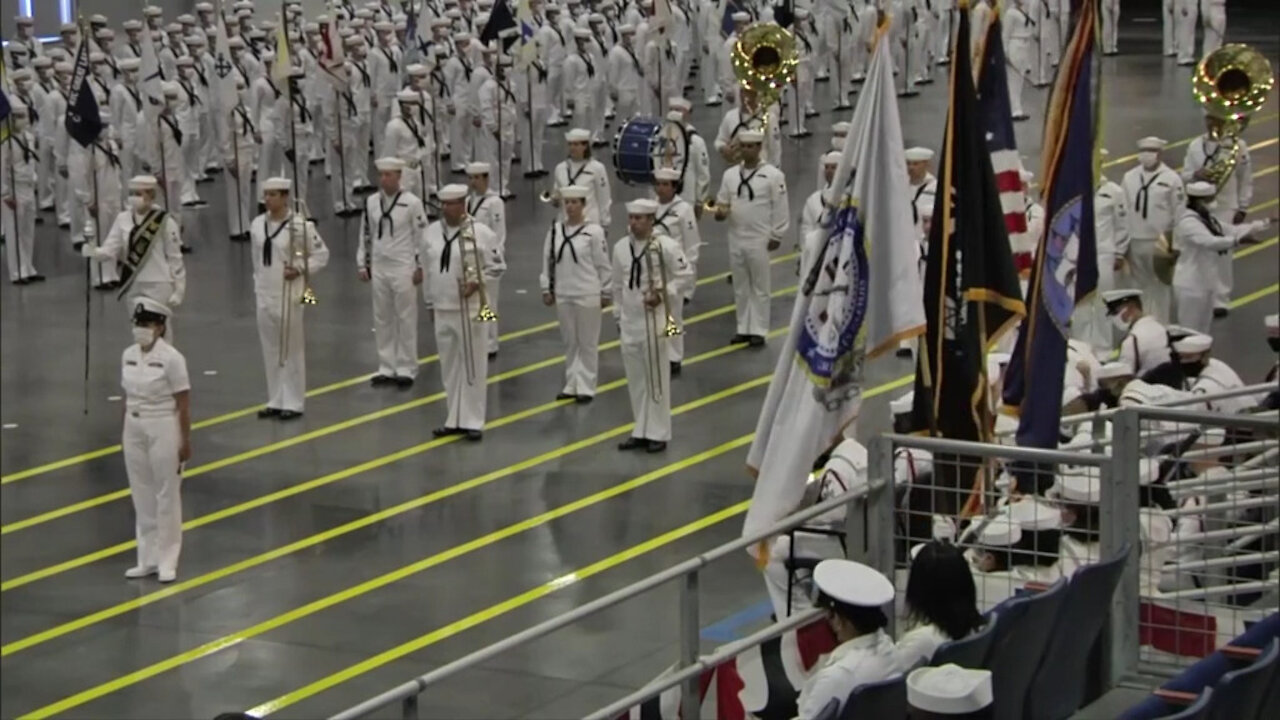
[
  {"x": 88, "y": 264},
  {"x": 338, "y": 109},
  {"x": 528, "y": 101},
  {"x": 235, "y": 152},
  {"x": 497, "y": 81}
]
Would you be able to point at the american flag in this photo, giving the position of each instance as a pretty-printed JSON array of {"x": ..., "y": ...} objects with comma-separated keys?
[{"x": 993, "y": 103}]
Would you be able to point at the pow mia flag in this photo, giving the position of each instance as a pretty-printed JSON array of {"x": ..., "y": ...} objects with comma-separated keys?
[{"x": 84, "y": 124}]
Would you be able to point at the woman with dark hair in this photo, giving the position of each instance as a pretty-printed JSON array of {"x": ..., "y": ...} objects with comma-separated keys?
[{"x": 941, "y": 604}]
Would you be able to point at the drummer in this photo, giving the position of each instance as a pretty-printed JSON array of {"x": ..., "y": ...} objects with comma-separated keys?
[{"x": 583, "y": 170}]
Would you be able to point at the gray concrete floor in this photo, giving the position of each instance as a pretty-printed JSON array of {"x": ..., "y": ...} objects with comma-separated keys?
[{"x": 242, "y": 628}]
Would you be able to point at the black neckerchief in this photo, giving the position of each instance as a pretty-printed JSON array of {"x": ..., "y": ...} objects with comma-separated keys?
[
  {"x": 448, "y": 246},
  {"x": 364, "y": 74},
  {"x": 247, "y": 124},
  {"x": 745, "y": 181},
  {"x": 634, "y": 279},
  {"x": 915, "y": 214},
  {"x": 1143, "y": 196},
  {"x": 31, "y": 109},
  {"x": 1208, "y": 219},
  {"x": 662, "y": 219},
  {"x": 137, "y": 99},
  {"x": 204, "y": 80},
  {"x": 591, "y": 69},
  {"x": 191, "y": 93},
  {"x": 565, "y": 242},
  {"x": 271, "y": 236},
  {"x": 351, "y": 103},
  {"x": 573, "y": 179},
  {"x": 507, "y": 91},
  {"x": 136, "y": 48},
  {"x": 271, "y": 83},
  {"x": 441, "y": 84},
  {"x": 177, "y": 134},
  {"x": 466, "y": 67},
  {"x": 27, "y": 155},
  {"x": 634, "y": 60},
  {"x": 556, "y": 30},
  {"x": 413, "y": 128},
  {"x": 387, "y": 54},
  {"x": 300, "y": 105},
  {"x": 112, "y": 158},
  {"x": 386, "y": 210},
  {"x": 473, "y": 209}
]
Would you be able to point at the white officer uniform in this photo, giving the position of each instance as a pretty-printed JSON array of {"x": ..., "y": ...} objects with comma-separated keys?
[
  {"x": 240, "y": 152},
  {"x": 279, "y": 301},
  {"x": 864, "y": 659},
  {"x": 390, "y": 242},
  {"x": 576, "y": 271},
  {"x": 1111, "y": 228},
  {"x": 758, "y": 214},
  {"x": 1234, "y": 195},
  {"x": 152, "y": 380},
  {"x": 490, "y": 210},
  {"x": 626, "y": 76},
  {"x": 677, "y": 221},
  {"x": 732, "y": 125},
  {"x": 1214, "y": 13},
  {"x": 589, "y": 173},
  {"x": 847, "y": 468},
  {"x": 446, "y": 256},
  {"x": 1146, "y": 341},
  {"x": 638, "y": 265},
  {"x": 1154, "y": 196},
  {"x": 1199, "y": 240},
  {"x": 412, "y": 143},
  {"x": 159, "y": 274},
  {"x": 18, "y": 186}
]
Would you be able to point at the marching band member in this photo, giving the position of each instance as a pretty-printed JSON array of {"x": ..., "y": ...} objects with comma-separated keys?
[
  {"x": 695, "y": 185},
  {"x": 286, "y": 249},
  {"x": 1154, "y": 193},
  {"x": 460, "y": 256},
  {"x": 18, "y": 190},
  {"x": 156, "y": 439},
  {"x": 577, "y": 278},
  {"x": 581, "y": 169},
  {"x": 753, "y": 198},
  {"x": 748, "y": 115},
  {"x": 648, "y": 271},
  {"x": 676, "y": 220},
  {"x": 389, "y": 255},
  {"x": 1200, "y": 238},
  {"x": 1231, "y": 201},
  {"x": 488, "y": 209}
]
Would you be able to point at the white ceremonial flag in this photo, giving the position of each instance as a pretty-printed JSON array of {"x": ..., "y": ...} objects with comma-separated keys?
[
  {"x": 861, "y": 297},
  {"x": 224, "y": 70}
]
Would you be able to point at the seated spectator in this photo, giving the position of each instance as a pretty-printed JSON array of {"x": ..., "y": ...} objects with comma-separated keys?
[
  {"x": 1017, "y": 546},
  {"x": 854, "y": 596},
  {"x": 941, "y": 604}
]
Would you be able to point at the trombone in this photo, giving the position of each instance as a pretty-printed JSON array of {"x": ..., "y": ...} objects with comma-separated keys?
[
  {"x": 551, "y": 197},
  {"x": 300, "y": 248},
  {"x": 472, "y": 272},
  {"x": 655, "y": 355}
]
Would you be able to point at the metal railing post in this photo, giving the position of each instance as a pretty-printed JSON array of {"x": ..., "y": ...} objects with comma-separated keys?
[
  {"x": 409, "y": 708},
  {"x": 1119, "y": 519},
  {"x": 875, "y": 537},
  {"x": 690, "y": 631}
]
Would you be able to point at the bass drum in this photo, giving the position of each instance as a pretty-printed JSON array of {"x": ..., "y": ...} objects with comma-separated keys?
[{"x": 644, "y": 144}]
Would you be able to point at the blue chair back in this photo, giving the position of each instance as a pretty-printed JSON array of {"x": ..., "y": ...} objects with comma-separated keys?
[
  {"x": 1240, "y": 693},
  {"x": 830, "y": 712},
  {"x": 970, "y": 651},
  {"x": 1059, "y": 685},
  {"x": 884, "y": 700},
  {"x": 1198, "y": 710},
  {"x": 1021, "y": 637}
]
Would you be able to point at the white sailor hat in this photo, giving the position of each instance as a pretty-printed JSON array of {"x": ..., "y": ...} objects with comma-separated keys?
[
  {"x": 24, "y": 20},
  {"x": 853, "y": 583},
  {"x": 346, "y": 33},
  {"x": 750, "y": 136},
  {"x": 131, "y": 24},
  {"x": 482, "y": 19},
  {"x": 235, "y": 43},
  {"x": 581, "y": 34},
  {"x": 171, "y": 89},
  {"x": 364, "y": 13},
  {"x": 1033, "y": 513},
  {"x": 551, "y": 8},
  {"x": 1113, "y": 370},
  {"x": 1078, "y": 484},
  {"x": 1001, "y": 531},
  {"x": 311, "y": 28},
  {"x": 143, "y": 182},
  {"x": 297, "y": 71},
  {"x": 441, "y": 22},
  {"x": 1114, "y": 297},
  {"x": 130, "y": 64},
  {"x": 578, "y": 135},
  {"x": 268, "y": 56},
  {"x": 949, "y": 690},
  {"x": 1201, "y": 189},
  {"x": 184, "y": 61},
  {"x": 244, "y": 13},
  {"x": 642, "y": 206},
  {"x": 595, "y": 17},
  {"x": 146, "y": 309},
  {"x": 801, "y": 14},
  {"x": 105, "y": 34},
  {"x": 400, "y": 23},
  {"x": 187, "y": 19},
  {"x": 63, "y": 67},
  {"x": 243, "y": 5},
  {"x": 454, "y": 14},
  {"x": 277, "y": 184},
  {"x": 389, "y": 164},
  {"x": 918, "y": 154},
  {"x": 1193, "y": 344},
  {"x": 462, "y": 37},
  {"x": 832, "y": 158},
  {"x": 204, "y": 7},
  {"x": 573, "y": 192},
  {"x": 19, "y": 109},
  {"x": 440, "y": 51},
  {"x": 199, "y": 40},
  {"x": 174, "y": 28},
  {"x": 384, "y": 26},
  {"x": 740, "y": 17},
  {"x": 902, "y": 405},
  {"x": 22, "y": 74},
  {"x": 43, "y": 61},
  {"x": 353, "y": 40},
  {"x": 453, "y": 191},
  {"x": 841, "y": 128},
  {"x": 1272, "y": 324},
  {"x": 417, "y": 70},
  {"x": 1152, "y": 142},
  {"x": 477, "y": 168},
  {"x": 627, "y": 29},
  {"x": 154, "y": 11},
  {"x": 408, "y": 97},
  {"x": 68, "y": 28},
  {"x": 679, "y": 103}
]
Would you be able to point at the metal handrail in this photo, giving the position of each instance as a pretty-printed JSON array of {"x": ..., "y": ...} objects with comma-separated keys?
[{"x": 414, "y": 687}]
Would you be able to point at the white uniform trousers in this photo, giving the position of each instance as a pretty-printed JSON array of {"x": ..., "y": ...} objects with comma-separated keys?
[
  {"x": 62, "y": 198},
  {"x": 358, "y": 153},
  {"x": 464, "y": 390},
  {"x": 807, "y": 545},
  {"x": 675, "y": 343},
  {"x": 1168, "y": 24},
  {"x": 1021, "y": 59},
  {"x": 395, "y": 321},
  {"x": 749, "y": 267},
  {"x": 151, "y": 445},
  {"x": 1215, "y": 27},
  {"x": 210, "y": 141},
  {"x": 46, "y": 186},
  {"x": 304, "y": 172},
  {"x": 319, "y": 139},
  {"x": 1156, "y": 297},
  {"x": 103, "y": 271},
  {"x": 492, "y": 287},
  {"x": 270, "y": 159},
  {"x": 20, "y": 235},
  {"x": 580, "y": 329},
  {"x": 160, "y": 292},
  {"x": 1225, "y": 275},
  {"x": 79, "y": 193},
  {"x": 710, "y": 72},
  {"x": 172, "y": 202},
  {"x": 1110, "y": 25},
  {"x": 381, "y": 116},
  {"x": 241, "y": 204},
  {"x": 533, "y": 137},
  {"x": 129, "y": 167},
  {"x": 1188, "y": 12},
  {"x": 555, "y": 93},
  {"x": 340, "y": 182},
  {"x": 193, "y": 166},
  {"x": 287, "y": 382},
  {"x": 650, "y": 406},
  {"x": 1195, "y": 308},
  {"x": 461, "y": 137}
]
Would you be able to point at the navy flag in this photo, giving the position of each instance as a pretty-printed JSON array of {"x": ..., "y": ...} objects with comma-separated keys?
[
  {"x": 971, "y": 291},
  {"x": 500, "y": 19},
  {"x": 1065, "y": 270},
  {"x": 84, "y": 124}
]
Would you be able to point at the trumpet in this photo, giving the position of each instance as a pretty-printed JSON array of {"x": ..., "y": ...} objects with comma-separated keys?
[
  {"x": 656, "y": 355},
  {"x": 472, "y": 272}
]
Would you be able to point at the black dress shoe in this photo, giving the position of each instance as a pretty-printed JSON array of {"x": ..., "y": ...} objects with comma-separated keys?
[
  {"x": 531, "y": 174},
  {"x": 655, "y": 446},
  {"x": 380, "y": 379},
  {"x": 403, "y": 381},
  {"x": 102, "y": 286},
  {"x": 493, "y": 354},
  {"x": 633, "y": 443},
  {"x": 445, "y": 431},
  {"x": 739, "y": 340},
  {"x": 583, "y": 399},
  {"x": 565, "y": 396},
  {"x": 756, "y": 341},
  {"x": 474, "y": 435},
  {"x": 675, "y": 368},
  {"x": 268, "y": 412},
  {"x": 1217, "y": 312},
  {"x": 289, "y": 415},
  {"x": 21, "y": 281},
  {"x": 186, "y": 249},
  {"x": 64, "y": 226},
  {"x": 40, "y": 278},
  {"x": 903, "y": 353}
]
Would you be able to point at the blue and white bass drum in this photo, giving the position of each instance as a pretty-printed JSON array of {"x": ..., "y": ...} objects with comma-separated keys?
[{"x": 644, "y": 144}]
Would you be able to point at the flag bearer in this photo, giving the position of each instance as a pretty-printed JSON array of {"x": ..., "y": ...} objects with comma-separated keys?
[
  {"x": 18, "y": 190},
  {"x": 391, "y": 236},
  {"x": 105, "y": 164}
]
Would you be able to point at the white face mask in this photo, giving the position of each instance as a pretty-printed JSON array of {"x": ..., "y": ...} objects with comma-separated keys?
[
  {"x": 144, "y": 336},
  {"x": 1121, "y": 324},
  {"x": 1148, "y": 158},
  {"x": 1211, "y": 205},
  {"x": 138, "y": 203}
]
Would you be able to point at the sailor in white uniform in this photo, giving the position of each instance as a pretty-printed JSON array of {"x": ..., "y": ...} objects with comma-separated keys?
[
  {"x": 695, "y": 186},
  {"x": 156, "y": 440},
  {"x": 1111, "y": 228},
  {"x": 1233, "y": 196},
  {"x": 388, "y": 255},
  {"x": 675, "y": 218},
  {"x": 488, "y": 209},
  {"x": 1154, "y": 194},
  {"x": 286, "y": 250},
  {"x": 1200, "y": 238},
  {"x": 460, "y": 256},
  {"x": 581, "y": 169},
  {"x": 577, "y": 279},
  {"x": 1145, "y": 344},
  {"x": 18, "y": 191},
  {"x": 855, "y": 597},
  {"x": 413, "y": 144},
  {"x": 648, "y": 271}
]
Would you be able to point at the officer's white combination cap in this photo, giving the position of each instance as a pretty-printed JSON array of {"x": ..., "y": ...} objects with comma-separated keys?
[
  {"x": 578, "y": 135},
  {"x": 277, "y": 184},
  {"x": 143, "y": 182},
  {"x": 453, "y": 191},
  {"x": 1115, "y": 296},
  {"x": 853, "y": 583},
  {"x": 1152, "y": 142},
  {"x": 918, "y": 154},
  {"x": 949, "y": 690},
  {"x": 478, "y": 168},
  {"x": 573, "y": 192},
  {"x": 1193, "y": 344},
  {"x": 1201, "y": 189},
  {"x": 642, "y": 206},
  {"x": 155, "y": 307},
  {"x": 750, "y": 136},
  {"x": 389, "y": 164},
  {"x": 666, "y": 174}
]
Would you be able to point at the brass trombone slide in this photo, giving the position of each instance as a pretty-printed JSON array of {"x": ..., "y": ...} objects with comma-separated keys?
[
  {"x": 472, "y": 272},
  {"x": 656, "y": 297}
]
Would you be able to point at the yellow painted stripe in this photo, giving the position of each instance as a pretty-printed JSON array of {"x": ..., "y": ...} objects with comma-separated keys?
[
  {"x": 1187, "y": 141},
  {"x": 1251, "y": 249},
  {"x": 494, "y": 611},
  {"x": 1264, "y": 292},
  {"x": 1265, "y": 171},
  {"x": 381, "y": 581},
  {"x": 1264, "y": 205},
  {"x": 349, "y": 382},
  {"x": 327, "y": 430}
]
